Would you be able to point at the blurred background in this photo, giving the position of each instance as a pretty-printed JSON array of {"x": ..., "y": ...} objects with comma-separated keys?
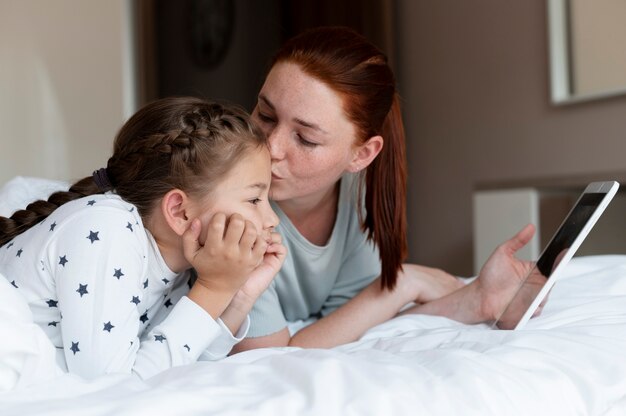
[{"x": 492, "y": 94}]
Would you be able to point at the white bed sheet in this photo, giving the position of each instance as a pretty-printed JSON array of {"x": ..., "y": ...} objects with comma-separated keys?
[{"x": 570, "y": 360}]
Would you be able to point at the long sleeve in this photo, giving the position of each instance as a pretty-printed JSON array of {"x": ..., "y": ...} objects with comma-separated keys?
[{"x": 109, "y": 291}]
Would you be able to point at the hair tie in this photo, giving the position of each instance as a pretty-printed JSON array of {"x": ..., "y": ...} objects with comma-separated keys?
[{"x": 102, "y": 180}]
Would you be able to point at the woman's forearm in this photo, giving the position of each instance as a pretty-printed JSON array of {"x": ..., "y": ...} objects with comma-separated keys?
[
  {"x": 463, "y": 305},
  {"x": 370, "y": 307}
]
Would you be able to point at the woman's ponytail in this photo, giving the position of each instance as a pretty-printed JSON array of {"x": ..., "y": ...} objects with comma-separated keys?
[{"x": 385, "y": 197}]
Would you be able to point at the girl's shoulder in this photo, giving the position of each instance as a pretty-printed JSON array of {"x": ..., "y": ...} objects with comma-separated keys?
[{"x": 103, "y": 210}]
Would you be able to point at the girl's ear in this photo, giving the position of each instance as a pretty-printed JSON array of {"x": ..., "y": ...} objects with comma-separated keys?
[
  {"x": 174, "y": 206},
  {"x": 365, "y": 153}
]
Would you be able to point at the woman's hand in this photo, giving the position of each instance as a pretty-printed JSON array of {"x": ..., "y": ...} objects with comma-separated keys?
[
  {"x": 487, "y": 296},
  {"x": 502, "y": 274}
]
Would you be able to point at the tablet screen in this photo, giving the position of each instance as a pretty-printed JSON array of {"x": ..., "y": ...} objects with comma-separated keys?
[{"x": 568, "y": 231}]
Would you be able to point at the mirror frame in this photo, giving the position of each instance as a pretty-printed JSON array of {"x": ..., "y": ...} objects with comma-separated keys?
[{"x": 559, "y": 51}]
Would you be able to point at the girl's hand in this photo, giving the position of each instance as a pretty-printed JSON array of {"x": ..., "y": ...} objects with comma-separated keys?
[
  {"x": 232, "y": 249},
  {"x": 264, "y": 273}
]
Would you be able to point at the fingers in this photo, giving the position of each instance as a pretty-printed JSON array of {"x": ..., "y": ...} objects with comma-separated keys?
[
  {"x": 234, "y": 230},
  {"x": 249, "y": 236},
  {"x": 275, "y": 238},
  {"x": 520, "y": 239},
  {"x": 276, "y": 246},
  {"x": 260, "y": 247},
  {"x": 190, "y": 239},
  {"x": 215, "y": 229}
]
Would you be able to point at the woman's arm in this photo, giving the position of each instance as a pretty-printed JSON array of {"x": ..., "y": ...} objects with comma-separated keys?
[
  {"x": 482, "y": 300},
  {"x": 372, "y": 306},
  {"x": 486, "y": 297}
]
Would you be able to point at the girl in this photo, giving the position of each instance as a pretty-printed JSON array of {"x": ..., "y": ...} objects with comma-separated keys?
[
  {"x": 105, "y": 266},
  {"x": 330, "y": 109}
]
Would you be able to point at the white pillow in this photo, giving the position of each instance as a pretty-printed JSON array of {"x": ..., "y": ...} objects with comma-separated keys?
[
  {"x": 21, "y": 191},
  {"x": 26, "y": 354}
]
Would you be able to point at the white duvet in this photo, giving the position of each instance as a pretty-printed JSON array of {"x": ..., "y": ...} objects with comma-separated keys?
[{"x": 569, "y": 361}]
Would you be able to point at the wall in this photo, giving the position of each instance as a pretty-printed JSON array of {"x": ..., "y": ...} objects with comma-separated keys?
[
  {"x": 475, "y": 81},
  {"x": 239, "y": 76},
  {"x": 66, "y": 85}
]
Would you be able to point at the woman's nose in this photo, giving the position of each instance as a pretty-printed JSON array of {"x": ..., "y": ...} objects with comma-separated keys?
[{"x": 276, "y": 143}]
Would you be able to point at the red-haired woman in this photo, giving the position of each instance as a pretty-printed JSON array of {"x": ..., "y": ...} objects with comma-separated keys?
[{"x": 330, "y": 109}]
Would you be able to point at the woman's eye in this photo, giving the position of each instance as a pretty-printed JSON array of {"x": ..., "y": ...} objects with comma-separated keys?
[
  {"x": 265, "y": 118},
  {"x": 255, "y": 201},
  {"x": 303, "y": 141}
]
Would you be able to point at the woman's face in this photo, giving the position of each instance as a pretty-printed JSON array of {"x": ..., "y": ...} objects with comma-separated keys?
[{"x": 310, "y": 138}]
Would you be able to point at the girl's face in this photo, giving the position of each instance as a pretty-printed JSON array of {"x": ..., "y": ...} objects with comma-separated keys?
[
  {"x": 310, "y": 138},
  {"x": 244, "y": 190}
]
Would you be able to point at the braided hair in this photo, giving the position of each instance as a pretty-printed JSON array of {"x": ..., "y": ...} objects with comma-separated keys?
[{"x": 173, "y": 143}]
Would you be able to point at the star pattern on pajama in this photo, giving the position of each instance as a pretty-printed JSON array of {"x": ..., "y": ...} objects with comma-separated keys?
[
  {"x": 144, "y": 318},
  {"x": 82, "y": 290},
  {"x": 93, "y": 236}
]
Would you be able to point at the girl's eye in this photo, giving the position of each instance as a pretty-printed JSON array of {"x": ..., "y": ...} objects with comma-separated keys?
[
  {"x": 255, "y": 201},
  {"x": 305, "y": 142}
]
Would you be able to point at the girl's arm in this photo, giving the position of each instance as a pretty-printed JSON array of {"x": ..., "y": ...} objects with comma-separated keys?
[{"x": 241, "y": 304}]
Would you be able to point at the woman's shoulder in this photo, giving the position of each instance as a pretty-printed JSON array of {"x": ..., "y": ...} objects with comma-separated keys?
[{"x": 352, "y": 191}]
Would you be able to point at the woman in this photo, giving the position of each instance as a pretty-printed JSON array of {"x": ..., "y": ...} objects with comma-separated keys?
[{"x": 330, "y": 110}]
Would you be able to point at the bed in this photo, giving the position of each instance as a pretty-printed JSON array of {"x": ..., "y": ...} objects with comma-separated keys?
[{"x": 570, "y": 360}]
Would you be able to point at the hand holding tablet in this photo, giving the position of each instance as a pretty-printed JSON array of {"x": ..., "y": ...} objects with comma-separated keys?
[{"x": 534, "y": 288}]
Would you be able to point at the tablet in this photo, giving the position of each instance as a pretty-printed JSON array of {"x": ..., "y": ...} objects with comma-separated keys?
[{"x": 568, "y": 237}]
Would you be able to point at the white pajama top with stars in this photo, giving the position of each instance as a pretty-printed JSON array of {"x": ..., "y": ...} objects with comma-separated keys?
[{"x": 97, "y": 285}]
